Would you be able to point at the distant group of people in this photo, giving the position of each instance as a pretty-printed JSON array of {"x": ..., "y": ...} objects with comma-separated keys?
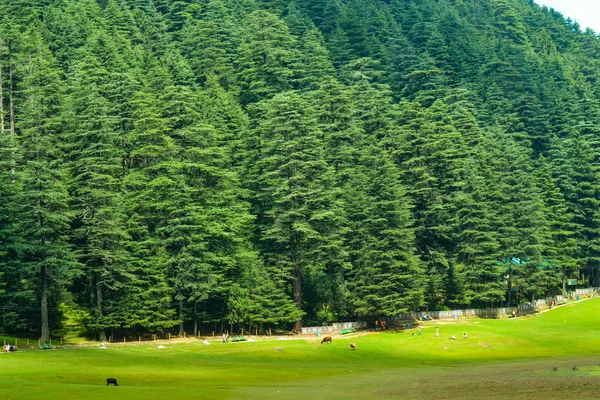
[
  {"x": 464, "y": 336},
  {"x": 453, "y": 337},
  {"x": 381, "y": 324},
  {"x": 8, "y": 348},
  {"x": 225, "y": 337},
  {"x": 437, "y": 333}
]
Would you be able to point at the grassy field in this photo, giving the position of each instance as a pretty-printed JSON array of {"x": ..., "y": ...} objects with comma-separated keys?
[{"x": 553, "y": 355}]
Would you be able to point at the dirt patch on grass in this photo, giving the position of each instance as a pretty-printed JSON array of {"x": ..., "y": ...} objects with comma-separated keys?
[
  {"x": 496, "y": 381},
  {"x": 484, "y": 344}
]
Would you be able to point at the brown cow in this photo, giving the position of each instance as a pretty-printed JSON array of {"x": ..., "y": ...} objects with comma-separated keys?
[
  {"x": 326, "y": 339},
  {"x": 352, "y": 346}
]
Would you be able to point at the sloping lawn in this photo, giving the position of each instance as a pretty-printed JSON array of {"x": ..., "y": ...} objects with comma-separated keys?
[{"x": 548, "y": 356}]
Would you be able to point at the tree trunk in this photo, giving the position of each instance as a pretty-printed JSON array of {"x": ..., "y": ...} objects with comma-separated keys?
[
  {"x": 195, "y": 319},
  {"x": 509, "y": 296},
  {"x": 45, "y": 337},
  {"x": 101, "y": 331},
  {"x": 181, "y": 318},
  {"x": 297, "y": 294}
]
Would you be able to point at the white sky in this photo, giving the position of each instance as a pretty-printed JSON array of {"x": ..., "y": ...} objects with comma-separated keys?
[{"x": 585, "y": 12}]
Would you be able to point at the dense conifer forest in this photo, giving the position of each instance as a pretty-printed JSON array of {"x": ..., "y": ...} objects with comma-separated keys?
[{"x": 167, "y": 165}]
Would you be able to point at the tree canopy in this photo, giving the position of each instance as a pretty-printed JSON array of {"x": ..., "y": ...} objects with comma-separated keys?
[{"x": 168, "y": 165}]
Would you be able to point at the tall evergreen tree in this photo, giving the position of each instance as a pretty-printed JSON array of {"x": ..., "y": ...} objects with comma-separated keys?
[
  {"x": 153, "y": 188},
  {"x": 44, "y": 214},
  {"x": 523, "y": 228},
  {"x": 386, "y": 278},
  {"x": 96, "y": 169},
  {"x": 298, "y": 214},
  {"x": 12, "y": 287},
  {"x": 431, "y": 158},
  {"x": 266, "y": 56},
  {"x": 478, "y": 248},
  {"x": 582, "y": 194}
]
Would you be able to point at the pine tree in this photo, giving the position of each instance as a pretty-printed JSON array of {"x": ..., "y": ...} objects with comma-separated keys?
[
  {"x": 12, "y": 288},
  {"x": 266, "y": 56},
  {"x": 335, "y": 110},
  {"x": 562, "y": 249},
  {"x": 478, "y": 248},
  {"x": 523, "y": 228},
  {"x": 314, "y": 66},
  {"x": 429, "y": 153},
  {"x": 386, "y": 278},
  {"x": 153, "y": 187},
  {"x": 44, "y": 214},
  {"x": 581, "y": 190},
  {"x": 210, "y": 44},
  {"x": 96, "y": 169},
  {"x": 298, "y": 215},
  {"x": 199, "y": 232}
]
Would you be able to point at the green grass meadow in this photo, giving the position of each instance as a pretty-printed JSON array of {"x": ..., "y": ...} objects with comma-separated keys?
[{"x": 547, "y": 356}]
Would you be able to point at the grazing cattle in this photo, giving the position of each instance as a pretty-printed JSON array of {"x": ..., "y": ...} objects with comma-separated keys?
[
  {"x": 352, "y": 346},
  {"x": 111, "y": 380},
  {"x": 326, "y": 339}
]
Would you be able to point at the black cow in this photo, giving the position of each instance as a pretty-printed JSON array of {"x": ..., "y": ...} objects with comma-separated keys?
[{"x": 111, "y": 380}]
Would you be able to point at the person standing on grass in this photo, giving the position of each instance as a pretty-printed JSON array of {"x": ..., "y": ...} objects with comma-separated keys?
[{"x": 437, "y": 331}]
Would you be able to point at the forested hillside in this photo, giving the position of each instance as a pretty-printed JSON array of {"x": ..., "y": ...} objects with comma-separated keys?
[{"x": 172, "y": 164}]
